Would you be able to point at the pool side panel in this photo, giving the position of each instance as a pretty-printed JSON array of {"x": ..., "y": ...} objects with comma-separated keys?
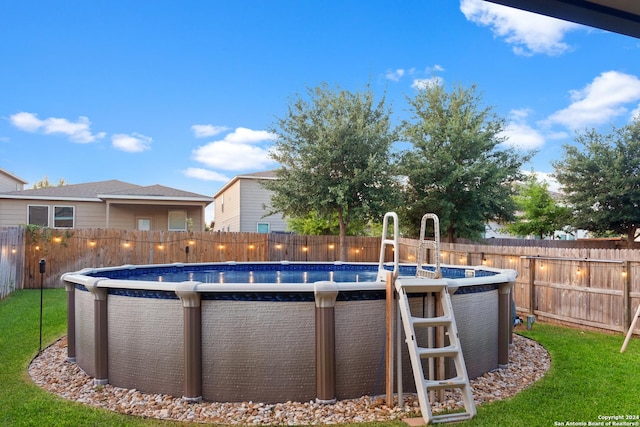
[
  {"x": 260, "y": 351},
  {"x": 146, "y": 344},
  {"x": 85, "y": 334},
  {"x": 477, "y": 320},
  {"x": 360, "y": 344}
]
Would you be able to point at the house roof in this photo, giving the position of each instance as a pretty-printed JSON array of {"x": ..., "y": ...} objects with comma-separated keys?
[
  {"x": 102, "y": 190},
  {"x": 12, "y": 176},
  {"x": 270, "y": 174},
  {"x": 618, "y": 16}
]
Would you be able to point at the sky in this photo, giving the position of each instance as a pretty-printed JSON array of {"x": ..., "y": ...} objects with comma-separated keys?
[{"x": 186, "y": 94}]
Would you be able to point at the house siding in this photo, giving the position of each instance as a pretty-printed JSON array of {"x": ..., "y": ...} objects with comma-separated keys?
[
  {"x": 94, "y": 214},
  {"x": 7, "y": 183},
  {"x": 253, "y": 197},
  {"x": 125, "y": 216},
  {"x": 227, "y": 209},
  {"x": 86, "y": 214}
]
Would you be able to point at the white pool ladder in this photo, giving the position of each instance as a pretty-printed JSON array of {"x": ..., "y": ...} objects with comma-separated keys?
[
  {"x": 434, "y": 245},
  {"x": 386, "y": 241},
  {"x": 409, "y": 285}
]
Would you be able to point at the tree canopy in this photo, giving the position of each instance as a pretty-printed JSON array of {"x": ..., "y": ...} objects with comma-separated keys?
[
  {"x": 334, "y": 151},
  {"x": 601, "y": 180},
  {"x": 44, "y": 183},
  {"x": 538, "y": 213},
  {"x": 457, "y": 167}
]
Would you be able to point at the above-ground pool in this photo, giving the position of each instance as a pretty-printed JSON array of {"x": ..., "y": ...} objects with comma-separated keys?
[{"x": 259, "y": 331}]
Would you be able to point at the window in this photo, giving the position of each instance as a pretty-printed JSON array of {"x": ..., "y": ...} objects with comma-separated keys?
[
  {"x": 63, "y": 216},
  {"x": 144, "y": 224},
  {"x": 263, "y": 227},
  {"x": 38, "y": 215},
  {"x": 177, "y": 220}
]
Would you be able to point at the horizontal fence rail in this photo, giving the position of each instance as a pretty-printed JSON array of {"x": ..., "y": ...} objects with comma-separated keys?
[{"x": 587, "y": 287}]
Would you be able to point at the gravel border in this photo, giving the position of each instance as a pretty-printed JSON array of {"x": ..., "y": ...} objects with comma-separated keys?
[{"x": 528, "y": 362}]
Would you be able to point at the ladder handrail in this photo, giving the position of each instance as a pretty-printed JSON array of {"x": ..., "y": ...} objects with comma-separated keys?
[
  {"x": 393, "y": 242},
  {"x": 434, "y": 244}
]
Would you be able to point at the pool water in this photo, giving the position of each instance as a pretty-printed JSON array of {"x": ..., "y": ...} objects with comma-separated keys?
[{"x": 268, "y": 273}]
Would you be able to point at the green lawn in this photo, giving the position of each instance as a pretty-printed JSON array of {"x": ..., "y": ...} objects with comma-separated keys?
[{"x": 588, "y": 379}]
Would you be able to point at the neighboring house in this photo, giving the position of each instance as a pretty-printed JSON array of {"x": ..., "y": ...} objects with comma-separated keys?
[
  {"x": 239, "y": 205},
  {"x": 105, "y": 204},
  {"x": 10, "y": 182}
]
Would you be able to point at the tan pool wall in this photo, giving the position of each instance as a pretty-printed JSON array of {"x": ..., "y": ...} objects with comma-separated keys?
[{"x": 265, "y": 351}]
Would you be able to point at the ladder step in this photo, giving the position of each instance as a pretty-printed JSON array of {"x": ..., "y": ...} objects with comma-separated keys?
[
  {"x": 455, "y": 382},
  {"x": 431, "y": 321},
  {"x": 429, "y": 285},
  {"x": 448, "y": 351},
  {"x": 450, "y": 418}
]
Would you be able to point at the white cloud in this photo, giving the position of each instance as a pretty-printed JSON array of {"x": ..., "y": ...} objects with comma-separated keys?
[
  {"x": 133, "y": 143},
  {"x": 203, "y": 131},
  {"x": 426, "y": 83},
  {"x": 395, "y": 75},
  {"x": 600, "y": 101},
  {"x": 519, "y": 134},
  {"x": 635, "y": 114},
  {"x": 249, "y": 136},
  {"x": 238, "y": 150},
  {"x": 78, "y": 131},
  {"x": 527, "y": 32},
  {"x": 205, "y": 174},
  {"x": 522, "y": 136}
]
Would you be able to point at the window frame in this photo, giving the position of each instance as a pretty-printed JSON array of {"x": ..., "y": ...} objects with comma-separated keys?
[
  {"x": 55, "y": 218},
  {"x": 173, "y": 211},
  {"x": 29, "y": 206},
  {"x": 263, "y": 223},
  {"x": 144, "y": 218}
]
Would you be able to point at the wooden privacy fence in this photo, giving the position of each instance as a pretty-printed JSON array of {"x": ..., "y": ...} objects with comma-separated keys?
[
  {"x": 66, "y": 251},
  {"x": 583, "y": 287},
  {"x": 11, "y": 259}
]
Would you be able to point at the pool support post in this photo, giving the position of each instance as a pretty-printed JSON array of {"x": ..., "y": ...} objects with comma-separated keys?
[
  {"x": 70, "y": 288},
  {"x": 325, "y": 300},
  {"x": 101, "y": 329},
  {"x": 505, "y": 322},
  {"x": 190, "y": 297}
]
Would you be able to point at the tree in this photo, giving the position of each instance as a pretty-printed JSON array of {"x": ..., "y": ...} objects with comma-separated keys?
[
  {"x": 334, "y": 151},
  {"x": 44, "y": 183},
  {"x": 457, "y": 167},
  {"x": 313, "y": 224},
  {"x": 539, "y": 214},
  {"x": 601, "y": 180}
]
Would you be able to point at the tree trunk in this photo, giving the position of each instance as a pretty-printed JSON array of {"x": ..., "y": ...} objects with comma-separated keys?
[
  {"x": 631, "y": 236},
  {"x": 343, "y": 236}
]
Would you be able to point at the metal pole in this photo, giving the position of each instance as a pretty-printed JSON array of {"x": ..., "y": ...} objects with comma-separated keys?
[{"x": 43, "y": 266}]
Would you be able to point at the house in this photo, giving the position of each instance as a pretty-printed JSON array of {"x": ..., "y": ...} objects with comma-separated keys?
[
  {"x": 240, "y": 205},
  {"x": 105, "y": 204},
  {"x": 10, "y": 182}
]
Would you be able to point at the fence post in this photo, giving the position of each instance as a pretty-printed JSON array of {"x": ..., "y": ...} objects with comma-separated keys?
[
  {"x": 532, "y": 286},
  {"x": 626, "y": 294}
]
